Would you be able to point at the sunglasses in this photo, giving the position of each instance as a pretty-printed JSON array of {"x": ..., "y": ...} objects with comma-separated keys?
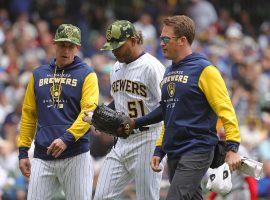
[{"x": 166, "y": 39}]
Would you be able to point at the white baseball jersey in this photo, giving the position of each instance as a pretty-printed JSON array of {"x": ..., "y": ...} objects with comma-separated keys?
[
  {"x": 135, "y": 86},
  {"x": 136, "y": 92}
]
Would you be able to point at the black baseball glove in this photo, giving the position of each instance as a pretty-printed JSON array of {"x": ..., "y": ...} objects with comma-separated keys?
[{"x": 112, "y": 122}]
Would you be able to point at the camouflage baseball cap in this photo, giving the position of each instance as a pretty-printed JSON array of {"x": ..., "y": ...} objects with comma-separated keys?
[
  {"x": 117, "y": 34},
  {"x": 68, "y": 33}
]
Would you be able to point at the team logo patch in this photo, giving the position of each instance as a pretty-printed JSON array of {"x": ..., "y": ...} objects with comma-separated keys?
[
  {"x": 171, "y": 89},
  {"x": 68, "y": 32},
  {"x": 55, "y": 90},
  {"x": 109, "y": 35}
]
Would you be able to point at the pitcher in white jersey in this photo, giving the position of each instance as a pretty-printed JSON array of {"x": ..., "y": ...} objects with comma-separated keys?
[{"x": 135, "y": 80}]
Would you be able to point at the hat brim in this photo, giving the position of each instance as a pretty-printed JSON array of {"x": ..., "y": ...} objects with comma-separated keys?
[
  {"x": 108, "y": 46},
  {"x": 67, "y": 40}
]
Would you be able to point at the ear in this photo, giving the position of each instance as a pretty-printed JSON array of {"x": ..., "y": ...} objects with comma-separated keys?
[
  {"x": 133, "y": 41},
  {"x": 182, "y": 41}
]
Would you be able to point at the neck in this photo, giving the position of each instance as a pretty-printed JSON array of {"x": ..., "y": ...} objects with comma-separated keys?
[
  {"x": 183, "y": 53},
  {"x": 135, "y": 55},
  {"x": 60, "y": 66}
]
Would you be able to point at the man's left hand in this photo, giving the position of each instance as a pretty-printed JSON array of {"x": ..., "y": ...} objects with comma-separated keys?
[
  {"x": 233, "y": 160},
  {"x": 56, "y": 148},
  {"x": 154, "y": 163}
]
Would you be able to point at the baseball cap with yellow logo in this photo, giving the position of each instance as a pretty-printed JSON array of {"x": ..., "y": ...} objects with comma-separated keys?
[
  {"x": 68, "y": 33},
  {"x": 118, "y": 33}
]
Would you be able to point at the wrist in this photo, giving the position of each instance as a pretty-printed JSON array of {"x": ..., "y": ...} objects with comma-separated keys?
[
  {"x": 67, "y": 138},
  {"x": 23, "y": 152},
  {"x": 232, "y": 146},
  {"x": 159, "y": 152},
  {"x": 132, "y": 123}
]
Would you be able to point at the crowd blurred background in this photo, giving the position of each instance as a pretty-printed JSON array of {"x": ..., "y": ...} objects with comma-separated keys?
[{"x": 233, "y": 34}]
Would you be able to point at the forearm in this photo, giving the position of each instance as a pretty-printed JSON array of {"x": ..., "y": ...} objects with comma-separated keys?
[
  {"x": 151, "y": 118},
  {"x": 89, "y": 100},
  {"x": 29, "y": 117},
  {"x": 214, "y": 88}
]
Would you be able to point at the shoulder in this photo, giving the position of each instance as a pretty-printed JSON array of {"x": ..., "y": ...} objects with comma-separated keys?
[
  {"x": 202, "y": 60},
  {"x": 152, "y": 62},
  {"x": 149, "y": 58},
  {"x": 82, "y": 68},
  {"x": 198, "y": 64},
  {"x": 87, "y": 69},
  {"x": 116, "y": 67},
  {"x": 42, "y": 69}
]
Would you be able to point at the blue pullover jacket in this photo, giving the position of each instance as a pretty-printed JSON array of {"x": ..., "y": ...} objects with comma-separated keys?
[
  {"x": 194, "y": 95},
  {"x": 54, "y": 103}
]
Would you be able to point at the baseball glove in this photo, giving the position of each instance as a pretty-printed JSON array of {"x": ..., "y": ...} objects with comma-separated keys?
[{"x": 112, "y": 122}]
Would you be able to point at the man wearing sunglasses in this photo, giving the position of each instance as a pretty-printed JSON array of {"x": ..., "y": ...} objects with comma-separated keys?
[{"x": 193, "y": 96}]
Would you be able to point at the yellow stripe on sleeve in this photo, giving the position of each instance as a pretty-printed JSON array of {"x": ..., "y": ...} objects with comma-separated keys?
[
  {"x": 29, "y": 116},
  {"x": 161, "y": 135},
  {"x": 90, "y": 94},
  {"x": 213, "y": 86}
]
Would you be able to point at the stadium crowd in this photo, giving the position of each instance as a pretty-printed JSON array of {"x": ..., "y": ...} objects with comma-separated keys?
[{"x": 235, "y": 46}]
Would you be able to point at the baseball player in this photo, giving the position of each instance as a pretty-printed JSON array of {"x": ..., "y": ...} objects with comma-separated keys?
[
  {"x": 56, "y": 97},
  {"x": 135, "y": 80}
]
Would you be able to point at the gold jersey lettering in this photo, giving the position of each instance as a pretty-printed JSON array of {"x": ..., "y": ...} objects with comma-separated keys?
[
  {"x": 122, "y": 84},
  {"x": 174, "y": 78},
  {"x": 46, "y": 81},
  {"x": 114, "y": 88},
  {"x": 143, "y": 90},
  {"x": 185, "y": 79},
  {"x": 74, "y": 82},
  {"x": 66, "y": 81},
  {"x": 130, "y": 87},
  {"x": 63, "y": 80},
  {"x": 40, "y": 82},
  {"x": 135, "y": 88},
  {"x": 56, "y": 80}
]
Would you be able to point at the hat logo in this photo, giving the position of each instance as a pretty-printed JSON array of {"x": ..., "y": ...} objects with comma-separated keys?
[
  {"x": 68, "y": 32},
  {"x": 109, "y": 35}
]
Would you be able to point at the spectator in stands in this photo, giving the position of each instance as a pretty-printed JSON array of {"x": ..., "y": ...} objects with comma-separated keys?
[
  {"x": 203, "y": 13},
  {"x": 144, "y": 24},
  {"x": 264, "y": 80},
  {"x": 264, "y": 183}
]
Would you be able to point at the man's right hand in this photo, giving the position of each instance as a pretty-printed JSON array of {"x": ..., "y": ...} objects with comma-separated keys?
[
  {"x": 233, "y": 160},
  {"x": 25, "y": 167}
]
